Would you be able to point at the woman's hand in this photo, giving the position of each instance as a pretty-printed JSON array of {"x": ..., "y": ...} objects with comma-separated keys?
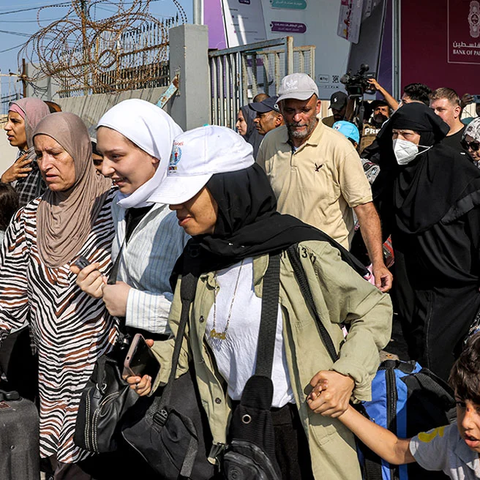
[
  {"x": 466, "y": 99},
  {"x": 90, "y": 279},
  {"x": 115, "y": 298},
  {"x": 331, "y": 393},
  {"x": 18, "y": 170},
  {"x": 143, "y": 385}
]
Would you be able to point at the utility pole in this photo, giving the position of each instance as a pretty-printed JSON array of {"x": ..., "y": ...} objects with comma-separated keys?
[
  {"x": 397, "y": 51},
  {"x": 83, "y": 4},
  {"x": 23, "y": 77},
  {"x": 198, "y": 12}
]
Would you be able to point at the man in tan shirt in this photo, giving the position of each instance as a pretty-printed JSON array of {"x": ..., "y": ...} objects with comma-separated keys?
[{"x": 316, "y": 173}]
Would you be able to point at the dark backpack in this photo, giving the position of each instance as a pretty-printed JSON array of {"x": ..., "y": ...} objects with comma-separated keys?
[{"x": 406, "y": 399}]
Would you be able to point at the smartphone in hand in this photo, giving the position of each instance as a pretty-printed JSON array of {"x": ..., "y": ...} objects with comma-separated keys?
[
  {"x": 140, "y": 360},
  {"x": 81, "y": 262}
]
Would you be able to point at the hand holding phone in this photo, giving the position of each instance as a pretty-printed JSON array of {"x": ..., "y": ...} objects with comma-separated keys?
[
  {"x": 140, "y": 360},
  {"x": 81, "y": 262},
  {"x": 89, "y": 278}
]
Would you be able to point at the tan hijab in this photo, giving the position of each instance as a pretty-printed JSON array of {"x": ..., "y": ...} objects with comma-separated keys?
[{"x": 65, "y": 219}]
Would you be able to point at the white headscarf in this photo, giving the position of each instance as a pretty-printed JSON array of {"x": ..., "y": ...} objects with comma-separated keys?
[
  {"x": 473, "y": 129},
  {"x": 152, "y": 130}
]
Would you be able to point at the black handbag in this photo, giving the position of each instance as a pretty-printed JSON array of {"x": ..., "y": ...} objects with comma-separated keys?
[
  {"x": 105, "y": 400},
  {"x": 171, "y": 431},
  {"x": 106, "y": 396},
  {"x": 250, "y": 453}
]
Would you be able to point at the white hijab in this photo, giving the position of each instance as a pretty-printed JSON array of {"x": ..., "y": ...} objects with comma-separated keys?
[{"x": 152, "y": 130}]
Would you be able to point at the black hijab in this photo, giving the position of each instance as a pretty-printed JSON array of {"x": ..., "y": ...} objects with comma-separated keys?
[
  {"x": 439, "y": 184},
  {"x": 252, "y": 136},
  {"x": 248, "y": 224}
]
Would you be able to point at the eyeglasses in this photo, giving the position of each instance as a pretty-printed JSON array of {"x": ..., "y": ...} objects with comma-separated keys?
[{"x": 474, "y": 146}]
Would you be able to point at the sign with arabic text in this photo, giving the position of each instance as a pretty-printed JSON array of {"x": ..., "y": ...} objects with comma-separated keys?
[
  {"x": 463, "y": 32},
  {"x": 295, "y": 4},
  {"x": 244, "y": 22}
]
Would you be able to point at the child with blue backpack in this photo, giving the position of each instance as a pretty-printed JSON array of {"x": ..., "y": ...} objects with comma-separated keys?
[{"x": 453, "y": 449}]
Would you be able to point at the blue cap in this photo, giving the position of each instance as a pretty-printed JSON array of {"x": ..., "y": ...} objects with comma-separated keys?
[
  {"x": 348, "y": 129},
  {"x": 267, "y": 105}
]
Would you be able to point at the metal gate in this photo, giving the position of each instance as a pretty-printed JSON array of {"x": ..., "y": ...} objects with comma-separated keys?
[{"x": 238, "y": 74}]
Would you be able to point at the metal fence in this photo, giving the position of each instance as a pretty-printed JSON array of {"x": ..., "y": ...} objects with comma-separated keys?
[
  {"x": 6, "y": 99},
  {"x": 133, "y": 78},
  {"x": 238, "y": 74},
  {"x": 136, "y": 59}
]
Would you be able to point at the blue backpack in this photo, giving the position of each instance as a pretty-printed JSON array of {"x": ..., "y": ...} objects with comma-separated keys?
[{"x": 406, "y": 399}]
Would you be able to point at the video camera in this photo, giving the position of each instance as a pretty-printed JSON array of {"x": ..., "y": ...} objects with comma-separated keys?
[{"x": 357, "y": 85}]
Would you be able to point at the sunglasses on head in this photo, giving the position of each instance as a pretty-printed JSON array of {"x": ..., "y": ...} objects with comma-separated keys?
[{"x": 474, "y": 146}]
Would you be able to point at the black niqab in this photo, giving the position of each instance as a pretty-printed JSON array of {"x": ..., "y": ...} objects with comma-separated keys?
[{"x": 439, "y": 183}]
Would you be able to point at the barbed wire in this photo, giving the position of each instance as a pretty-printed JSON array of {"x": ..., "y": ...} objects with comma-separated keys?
[{"x": 85, "y": 50}]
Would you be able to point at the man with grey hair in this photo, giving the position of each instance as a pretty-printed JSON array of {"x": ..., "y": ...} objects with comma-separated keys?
[{"x": 317, "y": 175}]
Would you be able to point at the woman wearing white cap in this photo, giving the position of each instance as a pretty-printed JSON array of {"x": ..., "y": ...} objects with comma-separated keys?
[
  {"x": 224, "y": 200},
  {"x": 135, "y": 138}
]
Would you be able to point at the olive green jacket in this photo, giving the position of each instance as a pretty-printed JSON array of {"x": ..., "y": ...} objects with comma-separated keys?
[{"x": 341, "y": 296}]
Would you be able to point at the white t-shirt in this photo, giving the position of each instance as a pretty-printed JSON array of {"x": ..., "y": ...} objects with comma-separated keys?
[
  {"x": 236, "y": 356},
  {"x": 443, "y": 449}
]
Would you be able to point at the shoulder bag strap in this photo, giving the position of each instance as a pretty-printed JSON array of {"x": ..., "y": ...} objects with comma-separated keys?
[
  {"x": 112, "y": 278},
  {"x": 122, "y": 339},
  {"x": 188, "y": 288},
  {"x": 302, "y": 281},
  {"x": 268, "y": 322}
]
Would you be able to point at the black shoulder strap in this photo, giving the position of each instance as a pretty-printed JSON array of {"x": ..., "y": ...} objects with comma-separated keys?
[
  {"x": 302, "y": 281},
  {"x": 123, "y": 340},
  {"x": 188, "y": 288},
  {"x": 268, "y": 322},
  {"x": 266, "y": 342},
  {"x": 112, "y": 278}
]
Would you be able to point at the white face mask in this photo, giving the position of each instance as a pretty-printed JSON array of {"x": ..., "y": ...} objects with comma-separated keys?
[{"x": 406, "y": 151}]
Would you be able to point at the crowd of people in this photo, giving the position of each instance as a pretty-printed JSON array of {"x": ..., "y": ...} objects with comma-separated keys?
[{"x": 140, "y": 196}]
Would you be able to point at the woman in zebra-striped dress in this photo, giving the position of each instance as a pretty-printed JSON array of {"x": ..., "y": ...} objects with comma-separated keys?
[{"x": 70, "y": 328}]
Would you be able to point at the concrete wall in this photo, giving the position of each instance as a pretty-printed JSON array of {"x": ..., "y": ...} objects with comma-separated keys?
[
  {"x": 7, "y": 153},
  {"x": 89, "y": 109},
  {"x": 45, "y": 87},
  {"x": 189, "y": 58},
  {"x": 92, "y": 107}
]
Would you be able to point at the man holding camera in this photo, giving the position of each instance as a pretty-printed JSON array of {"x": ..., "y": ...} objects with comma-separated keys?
[
  {"x": 316, "y": 173},
  {"x": 380, "y": 114}
]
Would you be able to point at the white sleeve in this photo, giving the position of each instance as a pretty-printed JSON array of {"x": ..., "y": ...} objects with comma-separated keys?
[{"x": 149, "y": 311}]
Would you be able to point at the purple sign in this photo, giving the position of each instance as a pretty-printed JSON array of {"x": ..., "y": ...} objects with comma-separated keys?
[
  {"x": 213, "y": 17},
  {"x": 288, "y": 27}
]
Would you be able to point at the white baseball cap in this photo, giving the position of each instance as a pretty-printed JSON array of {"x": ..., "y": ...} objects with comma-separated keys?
[
  {"x": 196, "y": 156},
  {"x": 298, "y": 86}
]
